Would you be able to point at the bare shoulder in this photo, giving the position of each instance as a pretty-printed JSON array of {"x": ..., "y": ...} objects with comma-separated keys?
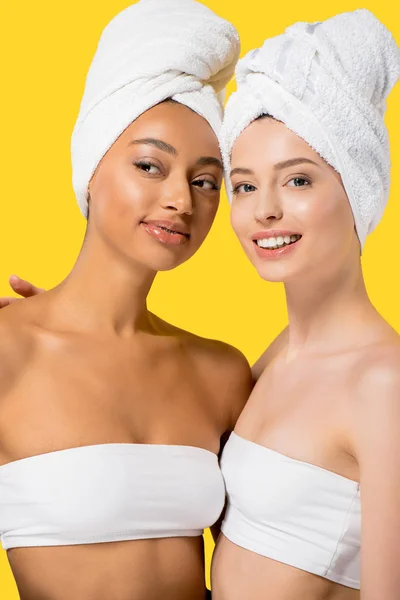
[
  {"x": 220, "y": 360},
  {"x": 218, "y": 355},
  {"x": 228, "y": 372},
  {"x": 374, "y": 399},
  {"x": 215, "y": 354},
  {"x": 377, "y": 370},
  {"x": 221, "y": 365},
  {"x": 270, "y": 353}
]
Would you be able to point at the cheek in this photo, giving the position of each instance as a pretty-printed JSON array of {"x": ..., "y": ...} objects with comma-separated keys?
[
  {"x": 205, "y": 211},
  {"x": 239, "y": 219},
  {"x": 329, "y": 213},
  {"x": 118, "y": 196},
  {"x": 208, "y": 210}
]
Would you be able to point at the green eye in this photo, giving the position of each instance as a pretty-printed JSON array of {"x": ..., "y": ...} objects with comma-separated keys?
[{"x": 244, "y": 188}]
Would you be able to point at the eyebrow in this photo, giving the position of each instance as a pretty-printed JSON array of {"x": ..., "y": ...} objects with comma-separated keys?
[
  {"x": 203, "y": 161},
  {"x": 241, "y": 171},
  {"x": 157, "y": 144},
  {"x": 292, "y": 162}
]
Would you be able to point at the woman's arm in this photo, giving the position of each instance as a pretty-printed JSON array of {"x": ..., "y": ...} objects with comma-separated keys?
[{"x": 376, "y": 429}]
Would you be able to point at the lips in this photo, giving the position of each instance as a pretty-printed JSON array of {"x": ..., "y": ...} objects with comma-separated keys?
[
  {"x": 167, "y": 232},
  {"x": 276, "y": 243}
]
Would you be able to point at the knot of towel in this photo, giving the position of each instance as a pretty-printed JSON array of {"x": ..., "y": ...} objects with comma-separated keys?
[
  {"x": 328, "y": 82},
  {"x": 151, "y": 51}
]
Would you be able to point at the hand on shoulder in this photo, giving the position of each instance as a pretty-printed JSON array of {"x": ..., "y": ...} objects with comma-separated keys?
[{"x": 23, "y": 288}]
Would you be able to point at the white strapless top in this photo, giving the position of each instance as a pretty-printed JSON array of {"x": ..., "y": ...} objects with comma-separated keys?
[
  {"x": 107, "y": 493},
  {"x": 292, "y": 511}
]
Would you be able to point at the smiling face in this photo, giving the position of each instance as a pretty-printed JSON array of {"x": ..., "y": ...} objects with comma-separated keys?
[
  {"x": 289, "y": 208},
  {"x": 155, "y": 194}
]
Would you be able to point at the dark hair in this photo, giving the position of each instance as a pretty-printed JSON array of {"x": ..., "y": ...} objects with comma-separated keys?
[{"x": 264, "y": 116}]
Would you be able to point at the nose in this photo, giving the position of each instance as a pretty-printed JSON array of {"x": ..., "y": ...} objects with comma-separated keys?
[
  {"x": 178, "y": 198},
  {"x": 268, "y": 207}
]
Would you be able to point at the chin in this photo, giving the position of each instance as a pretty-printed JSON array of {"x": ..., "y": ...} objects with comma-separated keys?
[
  {"x": 164, "y": 260},
  {"x": 276, "y": 273}
]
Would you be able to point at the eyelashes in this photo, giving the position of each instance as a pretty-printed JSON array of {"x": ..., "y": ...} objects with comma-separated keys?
[
  {"x": 299, "y": 182},
  {"x": 151, "y": 168},
  {"x": 146, "y": 166},
  {"x": 247, "y": 188},
  {"x": 236, "y": 190},
  {"x": 206, "y": 182}
]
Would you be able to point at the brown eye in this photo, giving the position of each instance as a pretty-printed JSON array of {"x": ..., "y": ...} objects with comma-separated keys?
[
  {"x": 147, "y": 167},
  {"x": 205, "y": 184}
]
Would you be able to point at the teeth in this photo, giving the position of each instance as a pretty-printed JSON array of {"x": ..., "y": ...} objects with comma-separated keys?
[
  {"x": 171, "y": 231},
  {"x": 278, "y": 242}
]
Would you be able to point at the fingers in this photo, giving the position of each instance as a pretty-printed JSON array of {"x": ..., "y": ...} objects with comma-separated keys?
[
  {"x": 21, "y": 287},
  {"x": 6, "y": 301},
  {"x": 24, "y": 288}
]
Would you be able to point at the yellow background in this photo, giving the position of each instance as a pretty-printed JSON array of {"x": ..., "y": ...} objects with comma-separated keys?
[{"x": 46, "y": 48}]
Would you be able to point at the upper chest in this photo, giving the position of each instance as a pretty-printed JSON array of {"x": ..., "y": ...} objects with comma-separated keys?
[
  {"x": 74, "y": 392},
  {"x": 302, "y": 387},
  {"x": 154, "y": 366},
  {"x": 301, "y": 409}
]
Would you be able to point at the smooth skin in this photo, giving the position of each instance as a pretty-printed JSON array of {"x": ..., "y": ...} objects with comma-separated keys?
[
  {"x": 328, "y": 389},
  {"x": 87, "y": 363}
]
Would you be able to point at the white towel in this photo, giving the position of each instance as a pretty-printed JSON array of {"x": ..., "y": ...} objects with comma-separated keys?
[
  {"x": 151, "y": 51},
  {"x": 328, "y": 82}
]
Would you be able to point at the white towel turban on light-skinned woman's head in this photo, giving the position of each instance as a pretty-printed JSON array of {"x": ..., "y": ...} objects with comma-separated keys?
[
  {"x": 327, "y": 82},
  {"x": 151, "y": 51}
]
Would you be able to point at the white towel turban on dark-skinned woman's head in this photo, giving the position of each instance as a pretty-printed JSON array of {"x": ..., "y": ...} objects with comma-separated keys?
[{"x": 151, "y": 51}]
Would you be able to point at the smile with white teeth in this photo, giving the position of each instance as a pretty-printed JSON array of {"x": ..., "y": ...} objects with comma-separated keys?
[{"x": 278, "y": 242}]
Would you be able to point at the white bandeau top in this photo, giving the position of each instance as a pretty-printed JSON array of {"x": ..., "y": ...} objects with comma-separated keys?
[
  {"x": 292, "y": 511},
  {"x": 109, "y": 492}
]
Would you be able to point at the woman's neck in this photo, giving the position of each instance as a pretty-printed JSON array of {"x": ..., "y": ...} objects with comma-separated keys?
[
  {"x": 330, "y": 314},
  {"x": 104, "y": 292}
]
